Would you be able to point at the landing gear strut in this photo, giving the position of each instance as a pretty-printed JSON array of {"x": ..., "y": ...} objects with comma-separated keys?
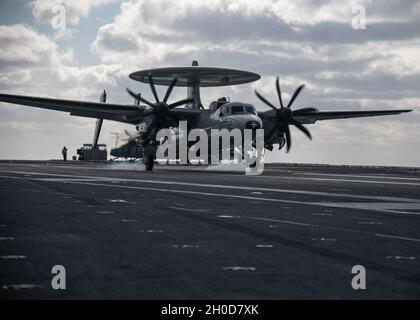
[{"x": 149, "y": 152}]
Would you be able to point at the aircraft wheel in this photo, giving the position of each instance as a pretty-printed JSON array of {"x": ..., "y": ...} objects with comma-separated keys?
[
  {"x": 149, "y": 162},
  {"x": 148, "y": 158}
]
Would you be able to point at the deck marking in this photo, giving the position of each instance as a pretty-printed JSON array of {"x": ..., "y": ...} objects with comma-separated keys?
[
  {"x": 324, "y": 239},
  {"x": 185, "y": 246},
  {"x": 117, "y": 200},
  {"x": 238, "y": 268},
  {"x": 166, "y": 182},
  {"x": 369, "y": 222},
  {"x": 396, "y": 237},
  {"x": 382, "y": 207},
  {"x": 21, "y": 286},
  {"x": 225, "y": 216},
  {"x": 190, "y": 210},
  {"x": 401, "y": 258},
  {"x": 361, "y": 206},
  {"x": 335, "y": 228},
  {"x": 355, "y": 181},
  {"x": 356, "y": 176},
  {"x": 12, "y": 257}
]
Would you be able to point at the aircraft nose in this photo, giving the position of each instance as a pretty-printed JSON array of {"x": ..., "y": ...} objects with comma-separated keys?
[{"x": 253, "y": 122}]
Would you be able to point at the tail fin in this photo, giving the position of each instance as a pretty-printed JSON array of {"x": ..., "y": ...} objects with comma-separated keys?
[{"x": 99, "y": 122}]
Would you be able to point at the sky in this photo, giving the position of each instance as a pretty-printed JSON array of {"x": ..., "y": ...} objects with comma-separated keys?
[{"x": 351, "y": 55}]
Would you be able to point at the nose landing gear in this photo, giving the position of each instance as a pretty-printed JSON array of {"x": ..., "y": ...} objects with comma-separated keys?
[{"x": 149, "y": 155}]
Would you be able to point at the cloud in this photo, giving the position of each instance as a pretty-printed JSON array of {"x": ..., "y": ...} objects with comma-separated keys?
[
  {"x": 303, "y": 41},
  {"x": 33, "y": 64},
  {"x": 310, "y": 41},
  {"x": 225, "y": 21},
  {"x": 28, "y": 58},
  {"x": 23, "y": 46}
]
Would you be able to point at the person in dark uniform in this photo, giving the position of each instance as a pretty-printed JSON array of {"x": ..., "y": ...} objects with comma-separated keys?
[{"x": 64, "y": 153}]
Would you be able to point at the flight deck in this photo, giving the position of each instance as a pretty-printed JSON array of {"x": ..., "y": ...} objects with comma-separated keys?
[{"x": 185, "y": 232}]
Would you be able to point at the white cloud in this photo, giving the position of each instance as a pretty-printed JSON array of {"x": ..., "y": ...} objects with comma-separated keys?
[
  {"x": 33, "y": 64},
  {"x": 341, "y": 71},
  {"x": 23, "y": 45},
  {"x": 28, "y": 57},
  {"x": 304, "y": 41}
]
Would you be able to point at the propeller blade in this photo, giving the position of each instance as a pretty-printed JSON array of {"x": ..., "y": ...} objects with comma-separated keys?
[
  {"x": 179, "y": 103},
  {"x": 137, "y": 96},
  {"x": 301, "y": 127},
  {"x": 279, "y": 92},
  {"x": 295, "y": 94},
  {"x": 168, "y": 92},
  {"x": 288, "y": 137},
  {"x": 131, "y": 93},
  {"x": 303, "y": 111},
  {"x": 153, "y": 88},
  {"x": 265, "y": 101},
  {"x": 273, "y": 130},
  {"x": 284, "y": 116}
]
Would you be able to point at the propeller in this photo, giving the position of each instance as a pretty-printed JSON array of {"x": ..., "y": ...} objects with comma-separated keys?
[
  {"x": 284, "y": 115},
  {"x": 159, "y": 107}
]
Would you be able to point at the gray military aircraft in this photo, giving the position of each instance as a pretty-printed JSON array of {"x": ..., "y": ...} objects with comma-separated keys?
[
  {"x": 153, "y": 116},
  {"x": 130, "y": 149}
]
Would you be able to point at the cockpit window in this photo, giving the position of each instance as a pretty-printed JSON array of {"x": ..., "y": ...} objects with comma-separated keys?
[
  {"x": 250, "y": 109},
  {"x": 236, "y": 109}
]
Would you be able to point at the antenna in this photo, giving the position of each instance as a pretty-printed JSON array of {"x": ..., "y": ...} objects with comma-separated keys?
[{"x": 193, "y": 92}]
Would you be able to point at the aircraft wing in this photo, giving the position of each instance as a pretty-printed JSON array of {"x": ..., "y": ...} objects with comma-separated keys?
[
  {"x": 117, "y": 112},
  {"x": 314, "y": 116},
  {"x": 190, "y": 115}
]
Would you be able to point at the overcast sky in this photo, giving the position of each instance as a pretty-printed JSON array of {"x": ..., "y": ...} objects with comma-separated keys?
[{"x": 302, "y": 41}]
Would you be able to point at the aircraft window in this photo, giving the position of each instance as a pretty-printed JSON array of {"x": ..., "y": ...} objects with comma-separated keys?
[
  {"x": 250, "y": 109},
  {"x": 236, "y": 109}
]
